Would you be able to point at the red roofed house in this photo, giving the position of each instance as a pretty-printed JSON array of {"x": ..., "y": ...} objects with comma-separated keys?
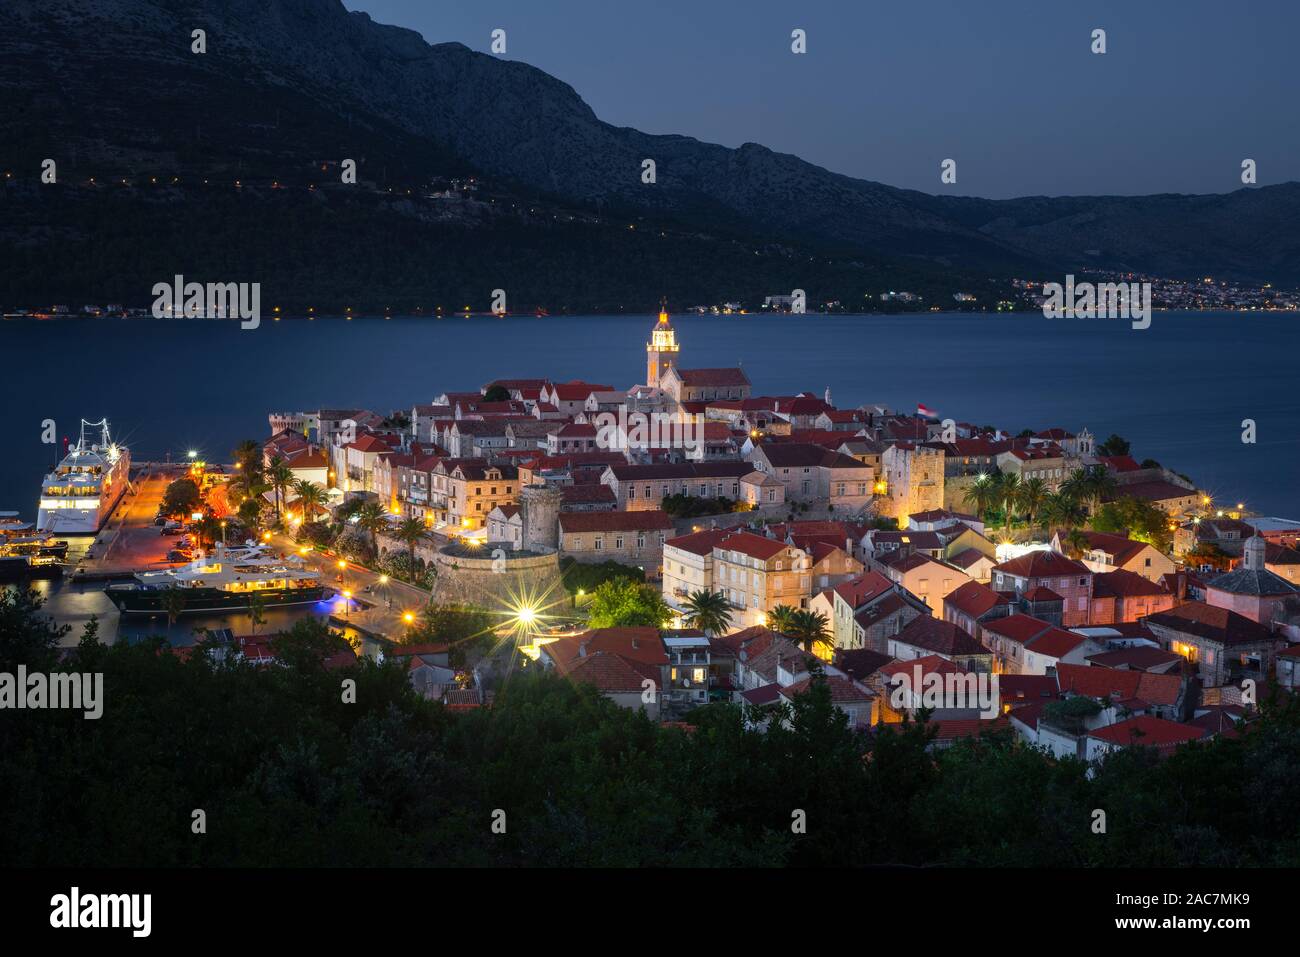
[
  {"x": 847, "y": 696},
  {"x": 1105, "y": 552},
  {"x": 632, "y": 538},
  {"x": 865, "y": 611},
  {"x": 971, "y": 605},
  {"x": 694, "y": 385},
  {"x": 1069, "y": 579},
  {"x": 925, "y": 635},
  {"x": 757, "y": 574},
  {"x": 1120, "y": 595},
  {"x": 627, "y": 665},
  {"x": 811, "y": 473},
  {"x": 1164, "y": 736},
  {"x": 1224, "y": 646},
  {"x": 1029, "y": 646}
]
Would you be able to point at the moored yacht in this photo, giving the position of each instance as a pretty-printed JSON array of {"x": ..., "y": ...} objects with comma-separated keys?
[
  {"x": 82, "y": 491},
  {"x": 224, "y": 581},
  {"x": 26, "y": 553}
]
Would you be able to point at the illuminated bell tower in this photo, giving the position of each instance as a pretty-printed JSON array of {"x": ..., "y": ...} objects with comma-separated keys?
[{"x": 661, "y": 351}]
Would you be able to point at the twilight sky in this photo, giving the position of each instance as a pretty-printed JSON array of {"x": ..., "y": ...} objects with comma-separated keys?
[{"x": 887, "y": 90}]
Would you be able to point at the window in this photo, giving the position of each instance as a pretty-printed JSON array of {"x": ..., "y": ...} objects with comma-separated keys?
[
  {"x": 647, "y": 491},
  {"x": 600, "y": 543},
  {"x": 697, "y": 675},
  {"x": 640, "y": 540},
  {"x": 631, "y": 492},
  {"x": 618, "y": 541}
]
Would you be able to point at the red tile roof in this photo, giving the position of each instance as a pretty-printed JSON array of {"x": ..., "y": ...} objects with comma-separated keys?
[
  {"x": 1113, "y": 683},
  {"x": 645, "y": 520},
  {"x": 974, "y": 599},
  {"x": 1042, "y": 564},
  {"x": 1148, "y": 731},
  {"x": 1209, "y": 621}
]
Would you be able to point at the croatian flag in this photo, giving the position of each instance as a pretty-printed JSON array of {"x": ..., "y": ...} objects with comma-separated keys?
[{"x": 925, "y": 412}]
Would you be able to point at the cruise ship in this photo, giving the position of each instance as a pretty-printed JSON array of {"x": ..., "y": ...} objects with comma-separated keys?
[
  {"x": 82, "y": 491},
  {"x": 224, "y": 581}
]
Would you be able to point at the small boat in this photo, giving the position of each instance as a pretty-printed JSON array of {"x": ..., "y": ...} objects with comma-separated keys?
[
  {"x": 26, "y": 553},
  {"x": 225, "y": 581}
]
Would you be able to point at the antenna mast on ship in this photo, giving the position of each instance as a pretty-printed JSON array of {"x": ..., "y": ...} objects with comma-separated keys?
[{"x": 105, "y": 440}]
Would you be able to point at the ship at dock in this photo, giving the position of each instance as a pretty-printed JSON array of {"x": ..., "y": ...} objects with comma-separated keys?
[
  {"x": 84, "y": 488},
  {"x": 225, "y": 581},
  {"x": 26, "y": 553}
]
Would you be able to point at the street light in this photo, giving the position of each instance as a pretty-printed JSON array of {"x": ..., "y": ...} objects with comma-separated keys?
[{"x": 347, "y": 603}]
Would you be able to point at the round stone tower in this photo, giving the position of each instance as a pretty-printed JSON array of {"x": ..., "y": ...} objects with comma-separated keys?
[{"x": 539, "y": 513}]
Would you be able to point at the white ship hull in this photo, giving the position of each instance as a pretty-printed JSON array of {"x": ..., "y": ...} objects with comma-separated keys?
[{"x": 80, "y": 495}]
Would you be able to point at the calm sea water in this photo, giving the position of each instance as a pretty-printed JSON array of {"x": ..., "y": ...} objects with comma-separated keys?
[{"x": 1178, "y": 390}]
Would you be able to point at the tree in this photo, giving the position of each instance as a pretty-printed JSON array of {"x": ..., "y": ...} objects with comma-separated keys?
[
  {"x": 208, "y": 530},
  {"x": 27, "y": 637},
  {"x": 256, "y": 609},
  {"x": 708, "y": 610},
  {"x": 1076, "y": 543},
  {"x": 623, "y": 603},
  {"x": 498, "y": 393},
  {"x": 809, "y": 629},
  {"x": 280, "y": 477},
  {"x": 462, "y": 627},
  {"x": 1090, "y": 484},
  {"x": 1136, "y": 518},
  {"x": 983, "y": 494},
  {"x": 1062, "y": 511},
  {"x": 173, "y": 602},
  {"x": 1009, "y": 495},
  {"x": 311, "y": 497},
  {"x": 411, "y": 532},
  {"x": 1115, "y": 445},
  {"x": 372, "y": 519},
  {"x": 781, "y": 618},
  {"x": 250, "y": 513},
  {"x": 182, "y": 498},
  {"x": 587, "y": 577},
  {"x": 1033, "y": 493}
]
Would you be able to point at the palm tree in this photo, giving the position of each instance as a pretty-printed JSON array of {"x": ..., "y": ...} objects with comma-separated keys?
[
  {"x": 781, "y": 618},
  {"x": 809, "y": 629},
  {"x": 173, "y": 602},
  {"x": 372, "y": 518},
  {"x": 256, "y": 608},
  {"x": 1101, "y": 485},
  {"x": 982, "y": 494},
  {"x": 1009, "y": 494},
  {"x": 1076, "y": 543},
  {"x": 708, "y": 610},
  {"x": 248, "y": 460},
  {"x": 411, "y": 532},
  {"x": 1090, "y": 484},
  {"x": 1033, "y": 493},
  {"x": 1061, "y": 511},
  {"x": 311, "y": 496},
  {"x": 280, "y": 477}
]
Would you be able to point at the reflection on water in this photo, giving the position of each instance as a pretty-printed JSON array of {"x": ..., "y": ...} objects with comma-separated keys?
[{"x": 75, "y": 603}]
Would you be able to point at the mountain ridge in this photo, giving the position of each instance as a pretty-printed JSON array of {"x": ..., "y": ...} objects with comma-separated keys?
[{"x": 513, "y": 121}]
